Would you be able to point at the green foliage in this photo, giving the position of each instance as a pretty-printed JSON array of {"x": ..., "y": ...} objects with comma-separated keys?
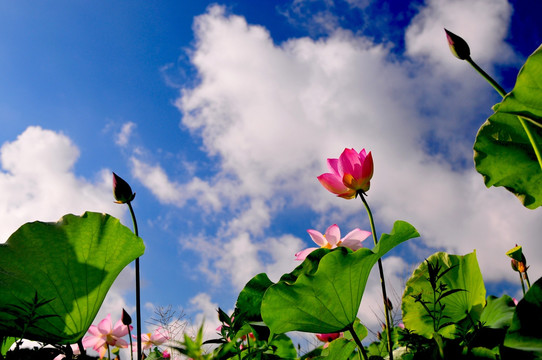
[
  {"x": 55, "y": 276},
  {"x": 193, "y": 348},
  {"x": 443, "y": 291},
  {"x": 503, "y": 153},
  {"x": 379, "y": 348},
  {"x": 323, "y": 294},
  {"x": 498, "y": 312},
  {"x": 243, "y": 335},
  {"x": 5, "y": 344},
  {"x": 339, "y": 349},
  {"x": 249, "y": 301},
  {"x": 525, "y": 333}
]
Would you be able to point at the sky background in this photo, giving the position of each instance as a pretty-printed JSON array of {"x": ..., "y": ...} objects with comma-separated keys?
[{"x": 222, "y": 115}]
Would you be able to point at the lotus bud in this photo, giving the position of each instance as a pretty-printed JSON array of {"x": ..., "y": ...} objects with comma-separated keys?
[
  {"x": 121, "y": 190},
  {"x": 518, "y": 262},
  {"x": 514, "y": 264},
  {"x": 458, "y": 46},
  {"x": 389, "y": 305},
  {"x": 126, "y": 318}
]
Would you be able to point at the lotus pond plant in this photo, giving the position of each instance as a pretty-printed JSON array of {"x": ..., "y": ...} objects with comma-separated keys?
[{"x": 445, "y": 310}]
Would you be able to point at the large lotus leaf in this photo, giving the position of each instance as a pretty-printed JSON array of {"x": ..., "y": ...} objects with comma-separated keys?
[
  {"x": 59, "y": 273},
  {"x": 249, "y": 301},
  {"x": 339, "y": 349},
  {"x": 498, "y": 312},
  {"x": 503, "y": 153},
  {"x": 323, "y": 294},
  {"x": 465, "y": 274},
  {"x": 282, "y": 348},
  {"x": 525, "y": 333}
]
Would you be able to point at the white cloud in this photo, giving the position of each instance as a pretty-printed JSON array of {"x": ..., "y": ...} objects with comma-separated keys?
[
  {"x": 206, "y": 314},
  {"x": 125, "y": 132},
  {"x": 482, "y": 23},
  {"x": 156, "y": 180},
  {"x": 38, "y": 183},
  {"x": 171, "y": 192},
  {"x": 271, "y": 114}
]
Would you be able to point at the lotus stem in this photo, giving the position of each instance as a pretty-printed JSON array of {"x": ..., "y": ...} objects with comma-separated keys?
[
  {"x": 138, "y": 289},
  {"x": 381, "y": 272},
  {"x": 358, "y": 341}
]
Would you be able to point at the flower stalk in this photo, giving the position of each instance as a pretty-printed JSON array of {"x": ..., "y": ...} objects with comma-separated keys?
[
  {"x": 381, "y": 272},
  {"x": 460, "y": 49},
  {"x": 355, "y": 336},
  {"x": 123, "y": 195},
  {"x": 127, "y": 320},
  {"x": 138, "y": 287}
]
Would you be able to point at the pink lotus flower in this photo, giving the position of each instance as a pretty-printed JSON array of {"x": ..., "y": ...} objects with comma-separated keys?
[
  {"x": 349, "y": 174},
  {"x": 332, "y": 239},
  {"x": 105, "y": 335},
  {"x": 328, "y": 337},
  {"x": 158, "y": 337}
]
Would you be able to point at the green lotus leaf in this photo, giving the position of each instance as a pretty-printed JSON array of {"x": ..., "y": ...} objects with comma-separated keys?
[
  {"x": 468, "y": 299},
  {"x": 54, "y": 276},
  {"x": 249, "y": 301},
  {"x": 498, "y": 312},
  {"x": 524, "y": 333},
  {"x": 282, "y": 347},
  {"x": 503, "y": 153},
  {"x": 339, "y": 349},
  {"x": 323, "y": 294}
]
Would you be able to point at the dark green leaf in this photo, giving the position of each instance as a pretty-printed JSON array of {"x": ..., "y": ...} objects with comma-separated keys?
[
  {"x": 70, "y": 265},
  {"x": 498, "y": 312},
  {"x": 525, "y": 332},
  {"x": 250, "y": 298},
  {"x": 503, "y": 153}
]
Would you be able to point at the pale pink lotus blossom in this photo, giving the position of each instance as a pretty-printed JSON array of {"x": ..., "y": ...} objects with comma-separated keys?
[
  {"x": 349, "y": 174},
  {"x": 105, "y": 335},
  {"x": 158, "y": 337},
  {"x": 332, "y": 239}
]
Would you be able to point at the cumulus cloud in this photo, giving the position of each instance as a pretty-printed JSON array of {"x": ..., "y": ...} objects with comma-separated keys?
[
  {"x": 271, "y": 114},
  {"x": 38, "y": 182},
  {"x": 124, "y": 134},
  {"x": 205, "y": 310},
  {"x": 167, "y": 191},
  {"x": 482, "y": 23}
]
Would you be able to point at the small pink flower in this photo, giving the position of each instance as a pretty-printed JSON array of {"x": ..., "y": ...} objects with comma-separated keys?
[
  {"x": 350, "y": 173},
  {"x": 158, "y": 337},
  {"x": 328, "y": 337},
  {"x": 166, "y": 354},
  {"x": 105, "y": 334},
  {"x": 332, "y": 239}
]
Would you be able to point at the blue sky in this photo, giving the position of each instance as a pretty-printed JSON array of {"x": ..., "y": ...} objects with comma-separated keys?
[{"x": 221, "y": 115}]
